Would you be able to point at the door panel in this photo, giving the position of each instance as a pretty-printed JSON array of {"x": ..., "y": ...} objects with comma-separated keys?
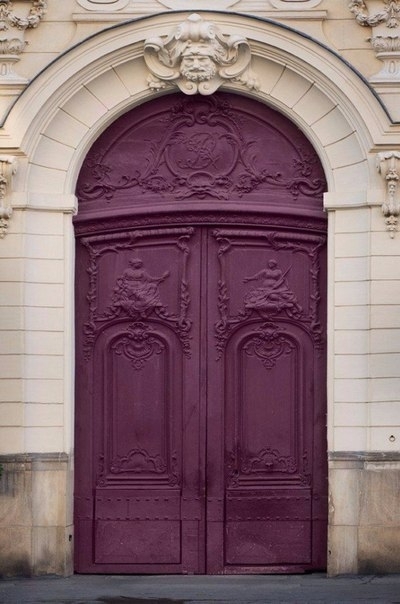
[
  {"x": 264, "y": 398},
  {"x": 200, "y": 344},
  {"x": 140, "y": 402}
]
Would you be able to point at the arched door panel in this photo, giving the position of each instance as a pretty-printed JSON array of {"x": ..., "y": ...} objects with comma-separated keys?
[{"x": 200, "y": 281}]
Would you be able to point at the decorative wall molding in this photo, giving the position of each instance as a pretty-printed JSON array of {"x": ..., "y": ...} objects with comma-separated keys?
[
  {"x": 12, "y": 42},
  {"x": 386, "y": 44},
  {"x": 388, "y": 165},
  {"x": 8, "y": 167},
  {"x": 103, "y": 5},
  {"x": 197, "y": 58}
]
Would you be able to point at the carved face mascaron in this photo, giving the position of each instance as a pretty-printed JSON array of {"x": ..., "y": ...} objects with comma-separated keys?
[{"x": 197, "y": 64}]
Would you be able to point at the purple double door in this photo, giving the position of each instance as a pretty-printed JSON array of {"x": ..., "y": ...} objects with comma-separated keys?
[{"x": 200, "y": 347}]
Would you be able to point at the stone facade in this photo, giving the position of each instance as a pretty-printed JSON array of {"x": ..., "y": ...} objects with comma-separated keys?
[{"x": 329, "y": 65}]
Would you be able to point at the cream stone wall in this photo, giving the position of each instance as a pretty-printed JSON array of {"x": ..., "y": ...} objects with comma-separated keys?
[{"x": 84, "y": 64}]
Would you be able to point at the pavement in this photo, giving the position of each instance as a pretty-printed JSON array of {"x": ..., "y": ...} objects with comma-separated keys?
[{"x": 256, "y": 589}]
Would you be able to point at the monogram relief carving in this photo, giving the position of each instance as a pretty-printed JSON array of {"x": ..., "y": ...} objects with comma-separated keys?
[
  {"x": 136, "y": 294},
  {"x": 138, "y": 345},
  {"x": 197, "y": 58},
  {"x": 268, "y": 344},
  {"x": 205, "y": 152}
]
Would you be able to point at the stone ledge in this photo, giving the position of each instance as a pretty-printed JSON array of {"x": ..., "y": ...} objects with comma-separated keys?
[{"x": 363, "y": 456}]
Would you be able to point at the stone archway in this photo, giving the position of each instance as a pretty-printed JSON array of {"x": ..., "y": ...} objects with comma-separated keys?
[{"x": 66, "y": 108}]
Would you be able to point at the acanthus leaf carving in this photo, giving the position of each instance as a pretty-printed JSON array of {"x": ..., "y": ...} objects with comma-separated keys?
[
  {"x": 388, "y": 165},
  {"x": 8, "y": 167},
  {"x": 268, "y": 344},
  {"x": 197, "y": 58},
  {"x": 138, "y": 461},
  {"x": 139, "y": 345}
]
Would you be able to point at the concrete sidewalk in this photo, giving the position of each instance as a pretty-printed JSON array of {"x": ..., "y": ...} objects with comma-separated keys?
[{"x": 133, "y": 589}]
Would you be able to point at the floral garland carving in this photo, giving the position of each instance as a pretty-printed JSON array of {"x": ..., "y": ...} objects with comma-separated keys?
[
  {"x": 385, "y": 45},
  {"x": 12, "y": 45},
  {"x": 390, "y": 15}
]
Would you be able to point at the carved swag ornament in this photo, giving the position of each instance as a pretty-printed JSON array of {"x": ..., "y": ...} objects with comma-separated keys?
[
  {"x": 12, "y": 43},
  {"x": 197, "y": 58},
  {"x": 387, "y": 41}
]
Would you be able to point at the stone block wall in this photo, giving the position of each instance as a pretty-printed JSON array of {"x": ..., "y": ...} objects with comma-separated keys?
[{"x": 84, "y": 67}]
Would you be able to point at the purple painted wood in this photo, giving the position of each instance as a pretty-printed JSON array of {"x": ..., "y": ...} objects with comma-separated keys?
[{"x": 200, "y": 304}]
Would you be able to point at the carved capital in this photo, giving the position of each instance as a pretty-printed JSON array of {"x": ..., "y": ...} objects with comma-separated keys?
[
  {"x": 12, "y": 43},
  {"x": 388, "y": 166},
  {"x": 387, "y": 43},
  {"x": 8, "y": 167},
  {"x": 197, "y": 58}
]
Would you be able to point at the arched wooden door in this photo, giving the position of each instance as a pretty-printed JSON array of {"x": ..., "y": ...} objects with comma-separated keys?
[{"x": 200, "y": 343}]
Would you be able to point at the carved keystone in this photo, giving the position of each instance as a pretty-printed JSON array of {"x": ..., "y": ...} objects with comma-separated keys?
[
  {"x": 8, "y": 167},
  {"x": 388, "y": 165},
  {"x": 198, "y": 58}
]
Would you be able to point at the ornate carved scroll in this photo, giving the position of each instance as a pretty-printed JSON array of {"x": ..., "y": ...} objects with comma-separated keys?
[
  {"x": 138, "y": 461},
  {"x": 386, "y": 43},
  {"x": 139, "y": 345},
  {"x": 264, "y": 464},
  {"x": 204, "y": 152},
  {"x": 388, "y": 165},
  {"x": 136, "y": 295},
  {"x": 268, "y": 344},
  {"x": 12, "y": 43},
  {"x": 8, "y": 167},
  {"x": 197, "y": 58}
]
